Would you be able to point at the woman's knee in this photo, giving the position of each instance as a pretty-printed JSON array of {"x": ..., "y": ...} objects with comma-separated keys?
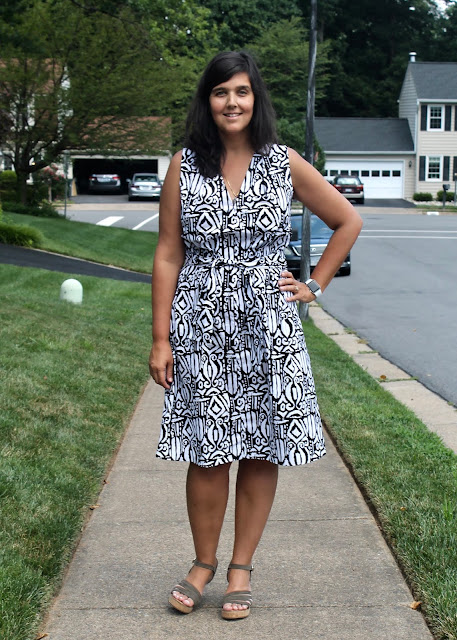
[{"x": 210, "y": 474}]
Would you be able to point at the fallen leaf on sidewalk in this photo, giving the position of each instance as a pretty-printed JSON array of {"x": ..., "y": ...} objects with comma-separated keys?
[
  {"x": 42, "y": 635},
  {"x": 383, "y": 377},
  {"x": 416, "y": 605},
  {"x": 94, "y": 506}
]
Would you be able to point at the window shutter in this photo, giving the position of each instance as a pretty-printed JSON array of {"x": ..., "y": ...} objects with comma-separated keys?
[
  {"x": 422, "y": 168},
  {"x": 455, "y": 118},
  {"x": 454, "y": 176},
  {"x": 446, "y": 160},
  {"x": 424, "y": 117},
  {"x": 447, "y": 117}
]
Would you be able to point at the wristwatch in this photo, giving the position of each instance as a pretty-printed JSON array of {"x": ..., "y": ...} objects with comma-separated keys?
[{"x": 314, "y": 287}]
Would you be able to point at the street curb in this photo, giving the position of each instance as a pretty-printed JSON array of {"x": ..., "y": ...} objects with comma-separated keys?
[{"x": 436, "y": 413}]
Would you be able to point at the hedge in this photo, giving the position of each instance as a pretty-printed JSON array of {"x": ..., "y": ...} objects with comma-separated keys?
[{"x": 20, "y": 234}]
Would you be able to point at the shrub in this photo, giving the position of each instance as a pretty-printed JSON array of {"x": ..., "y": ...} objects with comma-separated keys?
[
  {"x": 8, "y": 185},
  {"x": 20, "y": 234},
  {"x": 43, "y": 210},
  {"x": 37, "y": 192},
  {"x": 449, "y": 196},
  {"x": 423, "y": 197},
  {"x": 52, "y": 180}
]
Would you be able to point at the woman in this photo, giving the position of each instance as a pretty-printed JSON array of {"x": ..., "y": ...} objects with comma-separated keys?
[{"x": 228, "y": 345}]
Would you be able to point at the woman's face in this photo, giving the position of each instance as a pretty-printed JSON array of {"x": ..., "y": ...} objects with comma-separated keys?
[{"x": 232, "y": 104}]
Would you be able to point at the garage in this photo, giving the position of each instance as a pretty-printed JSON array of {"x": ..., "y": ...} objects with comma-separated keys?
[
  {"x": 380, "y": 151},
  {"x": 381, "y": 179},
  {"x": 123, "y": 167}
]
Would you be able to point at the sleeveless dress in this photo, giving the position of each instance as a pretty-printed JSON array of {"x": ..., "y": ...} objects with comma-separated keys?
[{"x": 242, "y": 384}]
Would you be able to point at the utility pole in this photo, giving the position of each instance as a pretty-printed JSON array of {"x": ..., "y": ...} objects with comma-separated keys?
[{"x": 309, "y": 152}]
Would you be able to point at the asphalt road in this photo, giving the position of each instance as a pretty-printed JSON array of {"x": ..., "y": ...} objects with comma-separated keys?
[{"x": 402, "y": 295}]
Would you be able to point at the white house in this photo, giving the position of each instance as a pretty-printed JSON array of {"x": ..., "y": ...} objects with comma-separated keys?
[{"x": 396, "y": 157}]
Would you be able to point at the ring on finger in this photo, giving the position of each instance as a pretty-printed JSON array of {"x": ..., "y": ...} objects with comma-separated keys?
[{"x": 296, "y": 288}]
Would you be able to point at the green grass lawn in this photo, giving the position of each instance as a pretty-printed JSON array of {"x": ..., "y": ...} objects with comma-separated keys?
[
  {"x": 404, "y": 470},
  {"x": 124, "y": 248},
  {"x": 70, "y": 378}
]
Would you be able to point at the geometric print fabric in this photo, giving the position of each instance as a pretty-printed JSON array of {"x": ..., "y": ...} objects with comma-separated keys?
[{"x": 242, "y": 384}]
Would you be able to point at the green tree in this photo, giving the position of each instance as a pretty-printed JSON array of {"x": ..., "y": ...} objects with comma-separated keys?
[
  {"x": 371, "y": 43},
  {"x": 74, "y": 76},
  {"x": 239, "y": 22},
  {"x": 285, "y": 70}
]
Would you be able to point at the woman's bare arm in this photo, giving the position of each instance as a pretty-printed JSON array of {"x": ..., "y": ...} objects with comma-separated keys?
[
  {"x": 311, "y": 188},
  {"x": 168, "y": 260}
]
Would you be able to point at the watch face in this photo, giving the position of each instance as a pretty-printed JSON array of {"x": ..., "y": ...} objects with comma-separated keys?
[{"x": 312, "y": 284}]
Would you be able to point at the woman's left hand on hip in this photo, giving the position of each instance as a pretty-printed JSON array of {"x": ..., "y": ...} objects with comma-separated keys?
[{"x": 300, "y": 291}]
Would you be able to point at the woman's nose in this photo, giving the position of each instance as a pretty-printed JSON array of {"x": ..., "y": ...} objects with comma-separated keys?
[{"x": 231, "y": 99}]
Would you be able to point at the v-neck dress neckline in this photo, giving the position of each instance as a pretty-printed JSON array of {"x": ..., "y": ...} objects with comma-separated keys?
[{"x": 230, "y": 200}]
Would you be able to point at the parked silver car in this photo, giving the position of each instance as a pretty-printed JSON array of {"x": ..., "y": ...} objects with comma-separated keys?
[{"x": 144, "y": 185}]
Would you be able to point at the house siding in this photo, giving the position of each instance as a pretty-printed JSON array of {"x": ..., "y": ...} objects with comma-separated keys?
[
  {"x": 441, "y": 143},
  {"x": 408, "y": 103}
]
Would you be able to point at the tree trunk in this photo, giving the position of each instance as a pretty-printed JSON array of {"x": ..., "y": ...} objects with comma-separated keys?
[{"x": 22, "y": 186}]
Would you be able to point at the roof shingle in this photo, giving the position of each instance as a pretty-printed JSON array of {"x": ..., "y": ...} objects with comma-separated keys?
[
  {"x": 435, "y": 80},
  {"x": 364, "y": 134}
]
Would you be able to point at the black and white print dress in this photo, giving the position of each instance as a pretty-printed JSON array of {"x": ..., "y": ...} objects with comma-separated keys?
[{"x": 242, "y": 384}]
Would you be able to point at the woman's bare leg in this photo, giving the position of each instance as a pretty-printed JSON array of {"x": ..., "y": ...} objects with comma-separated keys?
[
  {"x": 207, "y": 494},
  {"x": 255, "y": 492}
]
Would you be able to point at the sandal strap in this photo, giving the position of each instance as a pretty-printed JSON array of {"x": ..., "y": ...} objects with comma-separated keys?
[
  {"x": 203, "y": 565},
  {"x": 244, "y": 567},
  {"x": 238, "y": 597},
  {"x": 188, "y": 589}
]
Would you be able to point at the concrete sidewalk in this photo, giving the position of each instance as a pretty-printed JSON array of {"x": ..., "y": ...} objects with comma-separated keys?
[{"x": 322, "y": 569}]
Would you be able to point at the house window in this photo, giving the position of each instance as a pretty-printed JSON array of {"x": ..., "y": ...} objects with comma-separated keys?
[
  {"x": 375, "y": 173},
  {"x": 435, "y": 118},
  {"x": 385, "y": 173},
  {"x": 396, "y": 174},
  {"x": 365, "y": 173},
  {"x": 433, "y": 170},
  {"x": 333, "y": 172},
  {"x": 354, "y": 172}
]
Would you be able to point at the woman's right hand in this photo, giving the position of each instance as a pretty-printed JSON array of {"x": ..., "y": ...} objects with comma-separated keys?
[{"x": 161, "y": 363}]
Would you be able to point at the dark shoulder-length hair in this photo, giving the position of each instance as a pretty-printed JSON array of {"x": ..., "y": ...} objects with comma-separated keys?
[{"x": 202, "y": 135}]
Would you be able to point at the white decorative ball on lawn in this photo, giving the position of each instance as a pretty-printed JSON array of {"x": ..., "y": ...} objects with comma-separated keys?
[{"x": 71, "y": 291}]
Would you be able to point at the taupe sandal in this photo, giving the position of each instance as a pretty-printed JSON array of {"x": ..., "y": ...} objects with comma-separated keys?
[
  {"x": 238, "y": 597},
  {"x": 188, "y": 589}
]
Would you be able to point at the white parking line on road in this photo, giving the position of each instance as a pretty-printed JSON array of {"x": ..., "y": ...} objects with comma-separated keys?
[
  {"x": 138, "y": 226},
  {"x": 107, "y": 222},
  {"x": 407, "y": 231},
  {"x": 414, "y": 237}
]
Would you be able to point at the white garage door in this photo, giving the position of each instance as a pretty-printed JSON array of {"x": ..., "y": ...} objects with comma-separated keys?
[{"x": 380, "y": 179}]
